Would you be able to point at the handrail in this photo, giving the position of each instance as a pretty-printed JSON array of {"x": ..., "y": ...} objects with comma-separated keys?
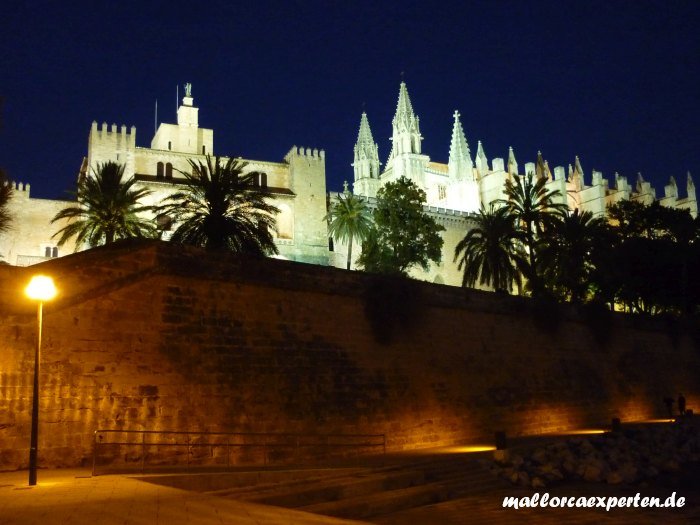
[{"x": 267, "y": 441}]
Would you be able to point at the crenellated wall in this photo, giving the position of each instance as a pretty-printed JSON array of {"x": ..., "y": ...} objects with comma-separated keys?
[
  {"x": 307, "y": 179},
  {"x": 31, "y": 233},
  {"x": 154, "y": 336}
]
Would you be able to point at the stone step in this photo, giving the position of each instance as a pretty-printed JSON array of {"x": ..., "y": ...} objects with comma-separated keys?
[
  {"x": 381, "y": 503},
  {"x": 241, "y": 491},
  {"x": 331, "y": 490}
]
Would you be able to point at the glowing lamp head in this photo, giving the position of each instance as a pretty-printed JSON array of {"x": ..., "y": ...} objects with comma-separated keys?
[{"x": 41, "y": 288}]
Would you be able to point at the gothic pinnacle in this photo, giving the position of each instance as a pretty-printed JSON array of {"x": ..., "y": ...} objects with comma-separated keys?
[
  {"x": 512, "y": 163},
  {"x": 364, "y": 136},
  {"x": 459, "y": 148}
]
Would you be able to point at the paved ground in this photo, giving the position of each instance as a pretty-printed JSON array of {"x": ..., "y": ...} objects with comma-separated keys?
[
  {"x": 488, "y": 509},
  {"x": 73, "y": 497}
]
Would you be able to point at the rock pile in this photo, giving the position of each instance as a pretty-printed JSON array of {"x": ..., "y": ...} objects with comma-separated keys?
[{"x": 628, "y": 456}]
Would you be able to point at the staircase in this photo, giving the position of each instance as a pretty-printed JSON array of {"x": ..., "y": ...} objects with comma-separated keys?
[{"x": 376, "y": 491}]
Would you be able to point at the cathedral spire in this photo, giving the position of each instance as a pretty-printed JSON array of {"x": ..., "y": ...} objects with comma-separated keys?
[
  {"x": 366, "y": 162},
  {"x": 460, "y": 163},
  {"x": 364, "y": 136},
  {"x": 404, "y": 110},
  {"x": 406, "y": 129}
]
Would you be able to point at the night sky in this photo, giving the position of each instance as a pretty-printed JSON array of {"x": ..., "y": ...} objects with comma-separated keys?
[{"x": 615, "y": 82}]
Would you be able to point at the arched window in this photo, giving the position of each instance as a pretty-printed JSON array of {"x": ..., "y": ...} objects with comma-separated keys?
[
  {"x": 170, "y": 145},
  {"x": 263, "y": 180},
  {"x": 159, "y": 170},
  {"x": 168, "y": 171},
  {"x": 54, "y": 251},
  {"x": 204, "y": 150}
]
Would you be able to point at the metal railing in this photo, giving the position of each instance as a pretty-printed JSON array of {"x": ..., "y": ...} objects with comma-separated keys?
[
  {"x": 141, "y": 450},
  {"x": 29, "y": 260}
]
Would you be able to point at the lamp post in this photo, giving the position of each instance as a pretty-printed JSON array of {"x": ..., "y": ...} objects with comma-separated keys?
[{"x": 40, "y": 288}]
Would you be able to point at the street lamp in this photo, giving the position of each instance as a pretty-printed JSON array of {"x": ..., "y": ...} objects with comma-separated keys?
[{"x": 40, "y": 288}]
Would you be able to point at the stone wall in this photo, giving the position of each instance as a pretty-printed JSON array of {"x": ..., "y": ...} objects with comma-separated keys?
[
  {"x": 31, "y": 230},
  {"x": 153, "y": 336}
]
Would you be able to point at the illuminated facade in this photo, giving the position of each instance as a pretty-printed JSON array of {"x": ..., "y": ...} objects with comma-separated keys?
[
  {"x": 466, "y": 182},
  {"x": 297, "y": 186}
]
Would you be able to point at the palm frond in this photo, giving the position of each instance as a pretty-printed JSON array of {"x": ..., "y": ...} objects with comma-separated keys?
[{"x": 221, "y": 208}]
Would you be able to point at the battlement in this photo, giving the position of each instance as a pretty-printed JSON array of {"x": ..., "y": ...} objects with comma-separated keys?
[
  {"x": 19, "y": 187},
  {"x": 103, "y": 133},
  {"x": 305, "y": 152}
]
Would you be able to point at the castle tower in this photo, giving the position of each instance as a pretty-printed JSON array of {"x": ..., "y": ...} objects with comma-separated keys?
[
  {"x": 187, "y": 114},
  {"x": 110, "y": 144},
  {"x": 405, "y": 158},
  {"x": 366, "y": 164},
  {"x": 460, "y": 166},
  {"x": 307, "y": 179},
  {"x": 186, "y": 136}
]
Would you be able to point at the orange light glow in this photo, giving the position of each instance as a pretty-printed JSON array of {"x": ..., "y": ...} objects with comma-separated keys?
[
  {"x": 586, "y": 431},
  {"x": 467, "y": 449},
  {"x": 41, "y": 288}
]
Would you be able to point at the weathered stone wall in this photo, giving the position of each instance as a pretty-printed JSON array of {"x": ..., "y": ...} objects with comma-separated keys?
[{"x": 153, "y": 336}]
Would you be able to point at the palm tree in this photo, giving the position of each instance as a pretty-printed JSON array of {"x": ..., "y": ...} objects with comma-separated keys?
[
  {"x": 533, "y": 207},
  {"x": 348, "y": 220},
  {"x": 221, "y": 208},
  {"x": 108, "y": 209},
  {"x": 5, "y": 195},
  {"x": 569, "y": 253},
  {"x": 490, "y": 251}
]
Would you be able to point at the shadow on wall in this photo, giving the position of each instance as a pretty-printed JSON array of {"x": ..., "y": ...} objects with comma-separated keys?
[{"x": 391, "y": 305}]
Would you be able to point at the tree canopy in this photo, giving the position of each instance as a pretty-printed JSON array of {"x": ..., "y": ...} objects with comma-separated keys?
[
  {"x": 108, "y": 209},
  {"x": 404, "y": 235},
  {"x": 534, "y": 208},
  {"x": 349, "y": 219},
  {"x": 490, "y": 251}
]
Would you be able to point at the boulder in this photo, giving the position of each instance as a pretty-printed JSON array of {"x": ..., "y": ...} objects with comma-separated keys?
[
  {"x": 538, "y": 483},
  {"x": 614, "y": 477}
]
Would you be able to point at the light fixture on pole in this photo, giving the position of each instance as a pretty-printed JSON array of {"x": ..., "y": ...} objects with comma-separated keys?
[{"x": 40, "y": 288}]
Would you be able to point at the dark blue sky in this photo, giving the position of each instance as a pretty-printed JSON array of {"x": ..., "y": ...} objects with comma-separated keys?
[{"x": 616, "y": 82}]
